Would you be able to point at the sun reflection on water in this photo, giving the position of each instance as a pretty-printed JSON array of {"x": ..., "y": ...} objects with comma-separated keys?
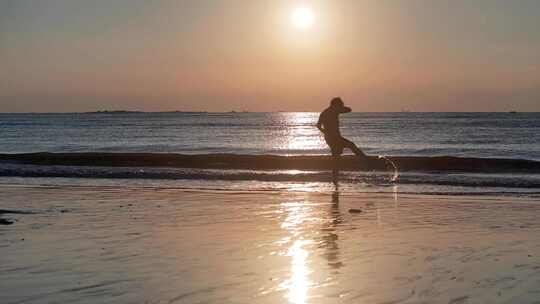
[{"x": 300, "y": 134}]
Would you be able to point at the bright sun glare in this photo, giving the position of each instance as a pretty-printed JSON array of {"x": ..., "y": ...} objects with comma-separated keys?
[{"x": 303, "y": 18}]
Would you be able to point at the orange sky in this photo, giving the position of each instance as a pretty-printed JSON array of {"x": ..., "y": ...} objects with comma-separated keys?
[{"x": 75, "y": 55}]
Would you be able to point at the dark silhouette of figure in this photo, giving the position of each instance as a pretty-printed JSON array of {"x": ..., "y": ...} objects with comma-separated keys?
[{"x": 329, "y": 126}]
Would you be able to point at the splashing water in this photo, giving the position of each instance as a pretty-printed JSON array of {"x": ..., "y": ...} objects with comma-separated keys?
[{"x": 395, "y": 176}]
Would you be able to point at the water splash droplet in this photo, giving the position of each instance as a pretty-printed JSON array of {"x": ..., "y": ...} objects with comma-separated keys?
[{"x": 395, "y": 176}]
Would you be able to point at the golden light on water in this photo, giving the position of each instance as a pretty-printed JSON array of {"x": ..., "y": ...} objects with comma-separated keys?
[{"x": 302, "y": 133}]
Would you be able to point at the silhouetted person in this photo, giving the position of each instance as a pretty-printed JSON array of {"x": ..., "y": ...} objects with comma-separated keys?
[{"x": 329, "y": 125}]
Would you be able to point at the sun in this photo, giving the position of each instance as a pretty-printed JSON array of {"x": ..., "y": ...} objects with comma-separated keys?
[{"x": 303, "y": 18}]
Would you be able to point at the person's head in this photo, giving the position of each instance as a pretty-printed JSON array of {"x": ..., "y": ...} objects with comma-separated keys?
[{"x": 336, "y": 102}]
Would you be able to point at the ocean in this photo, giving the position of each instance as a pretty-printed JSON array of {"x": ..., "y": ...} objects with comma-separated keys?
[
  {"x": 505, "y": 135},
  {"x": 425, "y": 135}
]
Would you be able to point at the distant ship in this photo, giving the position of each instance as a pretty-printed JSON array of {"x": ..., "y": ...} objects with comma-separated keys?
[{"x": 512, "y": 112}]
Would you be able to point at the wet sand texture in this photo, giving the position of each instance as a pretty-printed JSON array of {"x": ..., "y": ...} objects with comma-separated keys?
[{"x": 122, "y": 245}]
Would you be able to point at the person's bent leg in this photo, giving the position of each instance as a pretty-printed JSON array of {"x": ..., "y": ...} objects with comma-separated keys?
[
  {"x": 337, "y": 149},
  {"x": 350, "y": 145}
]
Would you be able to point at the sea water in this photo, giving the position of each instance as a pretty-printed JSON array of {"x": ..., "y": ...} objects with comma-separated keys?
[
  {"x": 505, "y": 135},
  {"x": 485, "y": 135}
]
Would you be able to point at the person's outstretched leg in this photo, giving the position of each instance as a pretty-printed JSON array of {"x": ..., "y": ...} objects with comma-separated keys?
[{"x": 349, "y": 144}]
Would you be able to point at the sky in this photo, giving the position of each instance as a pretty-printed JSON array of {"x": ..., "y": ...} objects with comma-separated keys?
[{"x": 211, "y": 55}]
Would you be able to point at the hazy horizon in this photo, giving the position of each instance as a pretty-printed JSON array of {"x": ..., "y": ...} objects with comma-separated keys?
[
  {"x": 218, "y": 56},
  {"x": 404, "y": 110},
  {"x": 245, "y": 111}
]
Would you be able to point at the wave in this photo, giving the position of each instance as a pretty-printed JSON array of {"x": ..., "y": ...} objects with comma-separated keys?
[
  {"x": 277, "y": 162},
  {"x": 378, "y": 178},
  {"x": 266, "y": 189}
]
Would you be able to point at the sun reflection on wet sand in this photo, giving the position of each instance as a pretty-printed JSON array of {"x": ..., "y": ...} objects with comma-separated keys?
[
  {"x": 298, "y": 284},
  {"x": 312, "y": 235}
]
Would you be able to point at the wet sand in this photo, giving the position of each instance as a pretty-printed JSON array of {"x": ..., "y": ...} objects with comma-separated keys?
[{"x": 136, "y": 245}]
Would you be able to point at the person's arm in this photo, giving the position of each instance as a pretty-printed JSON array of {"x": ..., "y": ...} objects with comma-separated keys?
[
  {"x": 345, "y": 110},
  {"x": 320, "y": 125}
]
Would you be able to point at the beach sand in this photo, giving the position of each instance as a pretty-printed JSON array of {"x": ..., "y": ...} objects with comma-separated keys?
[{"x": 151, "y": 245}]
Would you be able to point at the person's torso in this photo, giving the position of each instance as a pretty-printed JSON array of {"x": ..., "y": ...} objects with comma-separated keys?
[{"x": 330, "y": 121}]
